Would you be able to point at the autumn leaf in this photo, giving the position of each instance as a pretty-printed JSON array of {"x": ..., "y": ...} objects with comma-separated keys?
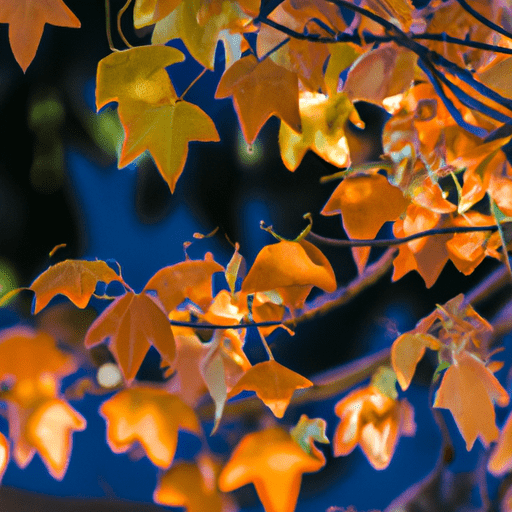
[
  {"x": 190, "y": 279},
  {"x": 273, "y": 383},
  {"x": 132, "y": 323},
  {"x": 185, "y": 486},
  {"x": 261, "y": 90},
  {"x": 274, "y": 463},
  {"x": 365, "y": 203},
  {"x": 292, "y": 269},
  {"x": 406, "y": 352},
  {"x": 4, "y": 454},
  {"x": 165, "y": 131},
  {"x": 323, "y": 120},
  {"x": 150, "y": 416},
  {"x": 373, "y": 420},
  {"x": 27, "y": 18},
  {"x": 76, "y": 279},
  {"x": 307, "y": 431},
  {"x": 49, "y": 429},
  {"x": 469, "y": 390}
]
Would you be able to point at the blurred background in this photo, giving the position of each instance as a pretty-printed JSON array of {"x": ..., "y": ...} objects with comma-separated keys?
[{"x": 59, "y": 184}]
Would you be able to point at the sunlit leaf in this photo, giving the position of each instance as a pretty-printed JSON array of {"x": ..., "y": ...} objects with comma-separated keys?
[
  {"x": 76, "y": 279},
  {"x": 150, "y": 416},
  {"x": 148, "y": 12},
  {"x": 131, "y": 324},
  {"x": 27, "y": 18},
  {"x": 273, "y": 383},
  {"x": 274, "y": 463}
]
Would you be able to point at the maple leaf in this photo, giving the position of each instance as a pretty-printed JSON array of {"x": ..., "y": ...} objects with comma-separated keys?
[
  {"x": 27, "y": 18},
  {"x": 148, "y": 12},
  {"x": 273, "y": 383},
  {"x": 76, "y": 279},
  {"x": 365, "y": 203},
  {"x": 165, "y": 131},
  {"x": 190, "y": 279},
  {"x": 292, "y": 269},
  {"x": 274, "y": 462},
  {"x": 48, "y": 430},
  {"x": 469, "y": 390},
  {"x": 373, "y": 420},
  {"x": 323, "y": 120},
  {"x": 260, "y": 90},
  {"x": 132, "y": 323},
  {"x": 184, "y": 485},
  {"x": 150, "y": 416}
]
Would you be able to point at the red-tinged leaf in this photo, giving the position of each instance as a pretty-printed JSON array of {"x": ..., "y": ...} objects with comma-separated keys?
[
  {"x": 380, "y": 73},
  {"x": 273, "y": 383},
  {"x": 469, "y": 390},
  {"x": 137, "y": 74},
  {"x": 49, "y": 429},
  {"x": 150, "y": 416},
  {"x": 406, "y": 352},
  {"x": 261, "y": 90},
  {"x": 274, "y": 463},
  {"x": 132, "y": 323},
  {"x": 148, "y": 12},
  {"x": 5, "y": 452},
  {"x": 191, "y": 279},
  {"x": 27, "y": 18},
  {"x": 76, "y": 279},
  {"x": 500, "y": 461},
  {"x": 185, "y": 486},
  {"x": 291, "y": 268},
  {"x": 375, "y": 422},
  {"x": 165, "y": 131}
]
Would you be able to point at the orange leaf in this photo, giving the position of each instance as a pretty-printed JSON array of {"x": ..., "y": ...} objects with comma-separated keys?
[
  {"x": 406, "y": 352},
  {"x": 274, "y": 463},
  {"x": 184, "y": 486},
  {"x": 191, "y": 279},
  {"x": 291, "y": 268},
  {"x": 49, "y": 429},
  {"x": 150, "y": 416},
  {"x": 27, "y": 19},
  {"x": 273, "y": 383},
  {"x": 500, "y": 461},
  {"x": 261, "y": 90},
  {"x": 469, "y": 390},
  {"x": 76, "y": 279},
  {"x": 375, "y": 422},
  {"x": 132, "y": 323}
]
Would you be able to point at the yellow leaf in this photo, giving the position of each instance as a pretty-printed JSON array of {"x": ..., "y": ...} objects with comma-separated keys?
[
  {"x": 148, "y": 12},
  {"x": 273, "y": 383},
  {"x": 165, "y": 131},
  {"x": 150, "y": 416}
]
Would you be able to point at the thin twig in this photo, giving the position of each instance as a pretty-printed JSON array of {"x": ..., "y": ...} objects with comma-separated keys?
[
  {"x": 484, "y": 20},
  {"x": 389, "y": 242},
  {"x": 107, "y": 26},
  {"x": 119, "y": 29},
  {"x": 192, "y": 83}
]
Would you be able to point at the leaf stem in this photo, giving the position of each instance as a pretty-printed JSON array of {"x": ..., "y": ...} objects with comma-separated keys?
[
  {"x": 119, "y": 16},
  {"x": 267, "y": 348},
  {"x": 107, "y": 26},
  {"x": 192, "y": 83}
]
